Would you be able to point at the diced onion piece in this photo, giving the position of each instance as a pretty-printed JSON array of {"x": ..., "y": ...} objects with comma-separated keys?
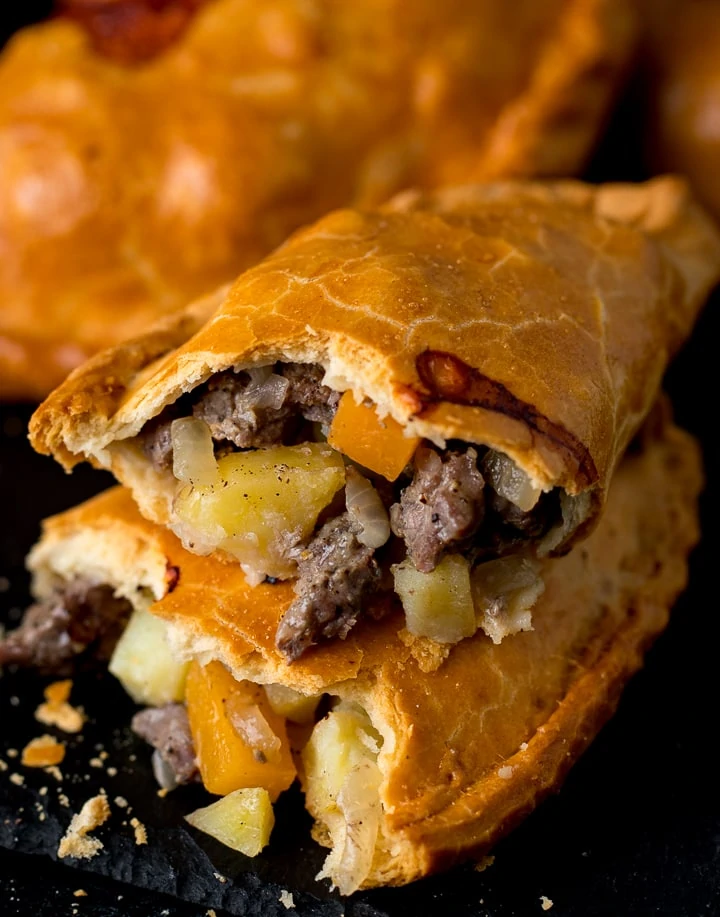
[
  {"x": 294, "y": 706},
  {"x": 342, "y": 792},
  {"x": 380, "y": 445},
  {"x": 144, "y": 664},
  {"x": 505, "y": 591},
  {"x": 242, "y": 820},
  {"x": 163, "y": 772},
  {"x": 266, "y": 502},
  {"x": 366, "y": 508},
  {"x": 359, "y": 802},
  {"x": 193, "y": 452},
  {"x": 511, "y": 482},
  {"x": 265, "y": 389},
  {"x": 437, "y": 605},
  {"x": 252, "y": 727}
]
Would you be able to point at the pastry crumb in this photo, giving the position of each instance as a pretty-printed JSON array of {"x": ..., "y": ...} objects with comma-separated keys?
[
  {"x": 121, "y": 802},
  {"x": 484, "y": 863},
  {"x": 286, "y": 899},
  {"x": 210, "y": 913},
  {"x": 111, "y": 771},
  {"x": 428, "y": 654},
  {"x": 222, "y": 879},
  {"x": 17, "y": 779},
  {"x": 140, "y": 832},
  {"x": 545, "y": 902},
  {"x": 3, "y": 765},
  {"x": 56, "y": 711},
  {"x": 75, "y": 842},
  {"x": 43, "y": 751},
  {"x": 505, "y": 773},
  {"x": 80, "y": 893},
  {"x": 95, "y": 762},
  {"x": 12, "y": 752},
  {"x": 63, "y": 800},
  {"x": 55, "y": 772},
  {"x": 162, "y": 792}
]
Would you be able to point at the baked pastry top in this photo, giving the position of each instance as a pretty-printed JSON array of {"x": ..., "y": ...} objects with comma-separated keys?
[
  {"x": 682, "y": 77},
  {"x": 129, "y": 186}
]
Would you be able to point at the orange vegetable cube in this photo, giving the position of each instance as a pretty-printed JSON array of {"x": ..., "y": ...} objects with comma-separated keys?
[
  {"x": 239, "y": 741},
  {"x": 379, "y": 445}
]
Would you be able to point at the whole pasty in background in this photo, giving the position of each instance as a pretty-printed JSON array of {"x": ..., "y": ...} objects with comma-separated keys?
[
  {"x": 683, "y": 84},
  {"x": 129, "y": 186}
]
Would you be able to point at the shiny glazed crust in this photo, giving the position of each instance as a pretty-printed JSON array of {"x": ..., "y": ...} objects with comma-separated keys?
[
  {"x": 682, "y": 45},
  {"x": 534, "y": 318},
  {"x": 455, "y": 777},
  {"x": 127, "y": 190}
]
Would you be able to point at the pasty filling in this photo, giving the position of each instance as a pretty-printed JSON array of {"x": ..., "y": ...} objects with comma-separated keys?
[{"x": 295, "y": 481}]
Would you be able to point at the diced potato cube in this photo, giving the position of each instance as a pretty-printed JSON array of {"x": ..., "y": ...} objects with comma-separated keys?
[
  {"x": 233, "y": 755},
  {"x": 504, "y": 592},
  {"x": 294, "y": 706},
  {"x": 437, "y": 605},
  {"x": 339, "y": 742},
  {"x": 265, "y": 501},
  {"x": 242, "y": 820},
  {"x": 144, "y": 664}
]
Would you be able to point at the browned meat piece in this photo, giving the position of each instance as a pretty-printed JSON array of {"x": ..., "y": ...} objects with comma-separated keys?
[
  {"x": 531, "y": 524},
  {"x": 335, "y": 573},
  {"x": 156, "y": 442},
  {"x": 167, "y": 729},
  {"x": 443, "y": 505},
  {"x": 82, "y": 616},
  {"x": 246, "y": 411},
  {"x": 316, "y": 401}
]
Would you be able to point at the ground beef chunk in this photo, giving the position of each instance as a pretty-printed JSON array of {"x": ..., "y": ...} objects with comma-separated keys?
[
  {"x": 240, "y": 408},
  {"x": 156, "y": 442},
  {"x": 443, "y": 505},
  {"x": 315, "y": 401},
  {"x": 167, "y": 729},
  {"x": 335, "y": 573},
  {"x": 81, "y": 617},
  {"x": 507, "y": 528},
  {"x": 232, "y": 405},
  {"x": 531, "y": 524}
]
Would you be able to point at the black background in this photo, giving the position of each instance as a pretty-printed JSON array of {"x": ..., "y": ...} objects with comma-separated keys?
[{"x": 634, "y": 831}]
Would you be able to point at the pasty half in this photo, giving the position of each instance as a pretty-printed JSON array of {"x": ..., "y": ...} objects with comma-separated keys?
[{"x": 436, "y": 756}]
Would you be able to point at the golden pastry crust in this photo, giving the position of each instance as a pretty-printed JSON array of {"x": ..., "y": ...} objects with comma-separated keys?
[
  {"x": 125, "y": 191},
  {"x": 683, "y": 91},
  {"x": 535, "y": 319},
  {"x": 455, "y": 778}
]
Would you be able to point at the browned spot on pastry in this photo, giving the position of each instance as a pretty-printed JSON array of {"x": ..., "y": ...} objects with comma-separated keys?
[
  {"x": 448, "y": 378},
  {"x": 131, "y": 31},
  {"x": 172, "y": 577}
]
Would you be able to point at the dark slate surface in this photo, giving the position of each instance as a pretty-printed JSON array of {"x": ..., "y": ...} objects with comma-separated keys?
[{"x": 635, "y": 830}]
